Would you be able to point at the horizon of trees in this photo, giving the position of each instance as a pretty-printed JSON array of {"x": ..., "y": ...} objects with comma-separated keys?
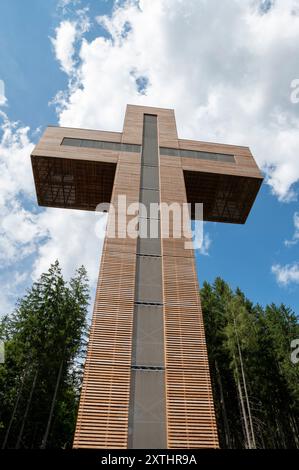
[
  {"x": 45, "y": 338},
  {"x": 255, "y": 384}
]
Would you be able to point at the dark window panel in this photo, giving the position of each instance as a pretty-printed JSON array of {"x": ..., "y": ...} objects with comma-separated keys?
[
  {"x": 169, "y": 152},
  {"x": 101, "y": 144},
  {"x": 71, "y": 142},
  {"x": 212, "y": 156},
  {"x": 87, "y": 143}
]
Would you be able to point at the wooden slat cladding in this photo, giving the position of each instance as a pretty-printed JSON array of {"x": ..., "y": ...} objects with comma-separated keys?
[
  {"x": 50, "y": 145},
  {"x": 228, "y": 189},
  {"x": 241, "y": 167},
  {"x": 104, "y": 403},
  {"x": 133, "y": 125},
  {"x": 191, "y": 421}
]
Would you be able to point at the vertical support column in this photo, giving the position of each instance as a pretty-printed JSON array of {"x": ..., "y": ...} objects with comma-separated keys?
[
  {"x": 137, "y": 391},
  {"x": 147, "y": 427},
  {"x": 102, "y": 420},
  {"x": 191, "y": 419}
]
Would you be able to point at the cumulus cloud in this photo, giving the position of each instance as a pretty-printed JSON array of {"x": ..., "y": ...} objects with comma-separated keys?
[
  {"x": 40, "y": 236},
  {"x": 206, "y": 243},
  {"x": 64, "y": 45},
  {"x": 3, "y": 99},
  {"x": 19, "y": 226},
  {"x": 52, "y": 233},
  {"x": 226, "y": 67},
  {"x": 72, "y": 236},
  {"x": 15, "y": 168},
  {"x": 286, "y": 274},
  {"x": 66, "y": 35},
  {"x": 295, "y": 237},
  {"x": 64, "y": 3}
]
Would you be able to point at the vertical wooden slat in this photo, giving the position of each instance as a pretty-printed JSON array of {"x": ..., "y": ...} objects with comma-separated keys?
[
  {"x": 191, "y": 419},
  {"x": 104, "y": 403},
  {"x": 81, "y": 177}
]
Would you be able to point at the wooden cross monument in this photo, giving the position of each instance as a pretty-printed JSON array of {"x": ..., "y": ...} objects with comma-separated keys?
[{"x": 146, "y": 379}]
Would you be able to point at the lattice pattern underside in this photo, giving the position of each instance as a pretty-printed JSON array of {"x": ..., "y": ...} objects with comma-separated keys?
[
  {"x": 225, "y": 198},
  {"x": 73, "y": 184}
]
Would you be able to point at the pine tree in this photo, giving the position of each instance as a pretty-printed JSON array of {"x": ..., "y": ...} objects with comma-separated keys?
[
  {"x": 255, "y": 385},
  {"x": 40, "y": 379}
]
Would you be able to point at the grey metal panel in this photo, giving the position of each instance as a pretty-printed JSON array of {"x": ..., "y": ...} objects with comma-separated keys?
[
  {"x": 149, "y": 246},
  {"x": 71, "y": 142},
  {"x": 147, "y": 415},
  {"x": 149, "y": 197},
  {"x": 148, "y": 427},
  {"x": 169, "y": 151},
  {"x": 150, "y": 177},
  {"x": 149, "y": 279},
  {"x": 148, "y": 345},
  {"x": 150, "y": 153},
  {"x": 101, "y": 144},
  {"x": 149, "y": 228},
  {"x": 213, "y": 156}
]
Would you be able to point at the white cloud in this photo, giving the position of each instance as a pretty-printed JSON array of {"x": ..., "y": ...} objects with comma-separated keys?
[
  {"x": 12, "y": 283},
  {"x": 18, "y": 226},
  {"x": 286, "y": 274},
  {"x": 19, "y": 277},
  {"x": 15, "y": 167},
  {"x": 47, "y": 235},
  {"x": 19, "y": 233},
  {"x": 206, "y": 243},
  {"x": 3, "y": 99},
  {"x": 52, "y": 233},
  {"x": 225, "y": 67},
  {"x": 66, "y": 35},
  {"x": 295, "y": 238},
  {"x": 6, "y": 303},
  {"x": 64, "y": 45},
  {"x": 72, "y": 239},
  {"x": 64, "y": 3}
]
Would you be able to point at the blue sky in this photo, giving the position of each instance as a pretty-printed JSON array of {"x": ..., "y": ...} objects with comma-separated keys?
[
  {"x": 227, "y": 71},
  {"x": 244, "y": 254}
]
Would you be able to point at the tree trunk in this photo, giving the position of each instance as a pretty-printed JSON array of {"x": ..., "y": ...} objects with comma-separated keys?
[
  {"x": 223, "y": 408},
  {"x": 14, "y": 412},
  {"x": 244, "y": 414},
  {"x": 252, "y": 440},
  {"x": 46, "y": 435},
  {"x": 294, "y": 430},
  {"x": 26, "y": 410}
]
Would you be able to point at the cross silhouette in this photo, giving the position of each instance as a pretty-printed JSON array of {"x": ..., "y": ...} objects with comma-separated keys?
[{"x": 146, "y": 354}]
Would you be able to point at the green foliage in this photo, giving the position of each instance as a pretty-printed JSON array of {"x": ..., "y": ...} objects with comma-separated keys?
[
  {"x": 255, "y": 384},
  {"x": 44, "y": 341}
]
